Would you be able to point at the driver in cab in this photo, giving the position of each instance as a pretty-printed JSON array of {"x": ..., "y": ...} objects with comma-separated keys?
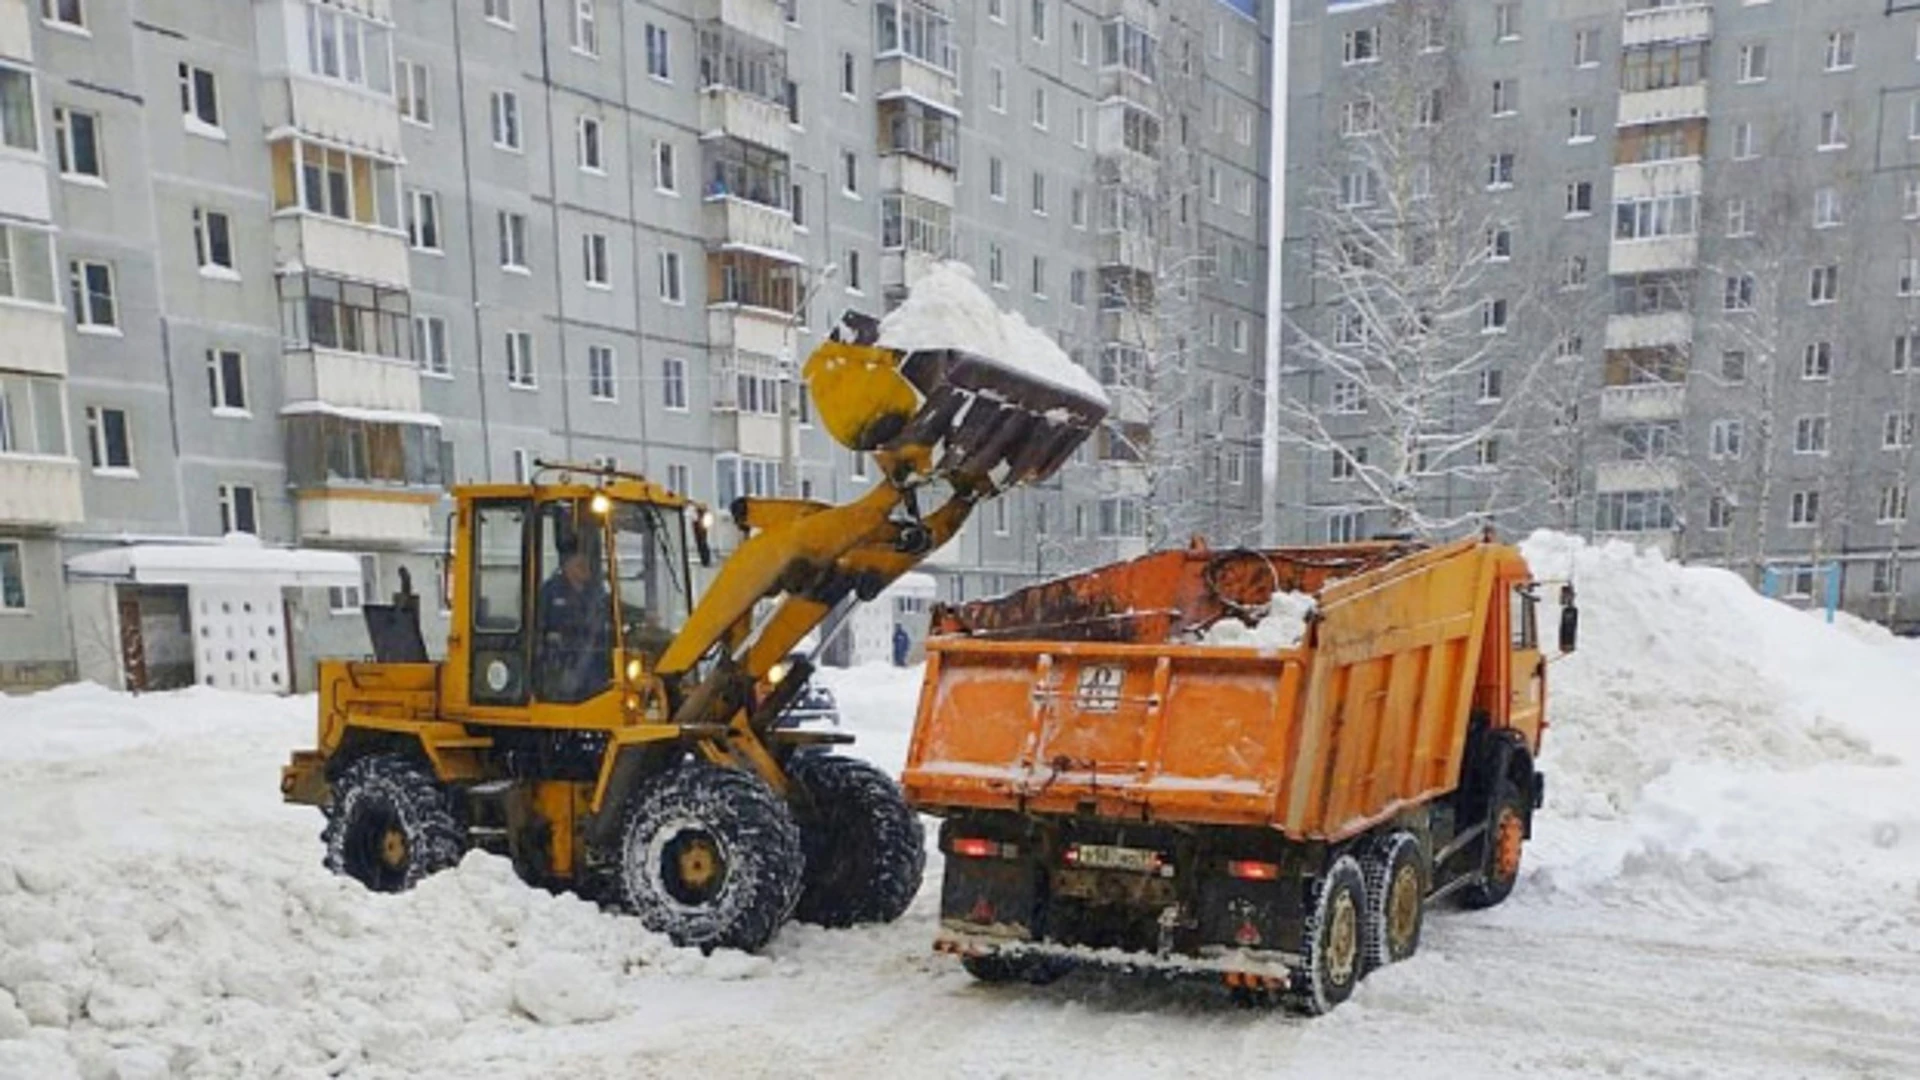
[{"x": 575, "y": 632}]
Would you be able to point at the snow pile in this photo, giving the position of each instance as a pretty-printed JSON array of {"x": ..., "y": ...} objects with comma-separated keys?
[
  {"x": 1284, "y": 626},
  {"x": 946, "y": 310}
]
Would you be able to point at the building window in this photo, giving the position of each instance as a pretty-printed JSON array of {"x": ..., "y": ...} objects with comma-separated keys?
[
  {"x": 1081, "y": 126},
  {"x": 1738, "y": 295},
  {"x": 1823, "y": 284},
  {"x": 1634, "y": 511},
  {"x": 64, "y": 13},
  {"x": 1430, "y": 108},
  {"x": 1499, "y": 243},
  {"x": 520, "y": 372},
  {"x": 414, "y": 89},
  {"x": 673, "y": 383},
  {"x": 1833, "y": 129},
  {"x": 1753, "y": 63},
  {"x": 1906, "y": 352},
  {"x": 430, "y": 345},
  {"x": 997, "y": 89},
  {"x": 339, "y": 184},
  {"x": 1040, "y": 107},
  {"x": 343, "y": 46},
  {"x": 213, "y": 241},
  {"x": 1039, "y": 278},
  {"x": 1586, "y": 48},
  {"x": 1803, "y": 509},
  {"x": 199, "y": 98},
  {"x": 513, "y": 241},
  {"x": 108, "y": 444},
  {"x": 91, "y": 286},
  {"x": 1724, "y": 440},
  {"x": 849, "y": 81},
  {"x": 996, "y": 266},
  {"x": 1077, "y": 287},
  {"x": 593, "y": 259},
  {"x": 996, "y": 179},
  {"x": 1490, "y": 385},
  {"x": 585, "y": 36},
  {"x": 665, "y": 178},
  {"x": 1347, "y": 398},
  {"x": 1579, "y": 198},
  {"x": 853, "y": 270},
  {"x": 522, "y": 465},
  {"x": 1357, "y": 118},
  {"x": 1039, "y": 20},
  {"x": 1737, "y": 217},
  {"x": 589, "y": 149},
  {"x": 1360, "y": 45},
  {"x": 659, "y": 60},
  {"x": 1810, "y": 435},
  {"x": 849, "y": 173},
  {"x": 1910, "y": 200},
  {"x": 237, "y": 512},
  {"x": 600, "y": 381},
  {"x": 13, "y": 578},
  {"x": 1357, "y": 189},
  {"x": 1655, "y": 216},
  {"x": 329, "y": 313},
  {"x": 1493, "y": 316},
  {"x": 1573, "y": 272},
  {"x": 670, "y": 277},
  {"x": 504, "y": 109},
  {"x": 1840, "y": 50},
  {"x": 1506, "y": 97},
  {"x": 1347, "y": 463},
  {"x": 1506, "y": 22},
  {"x": 1816, "y": 361},
  {"x": 77, "y": 138},
  {"x": 1893, "y": 508},
  {"x": 679, "y": 479},
  {"x": 1499, "y": 171},
  {"x": 1897, "y": 433},
  {"x": 498, "y": 11},
  {"x": 797, "y": 207},
  {"x": 1239, "y": 335},
  {"x": 1908, "y": 282},
  {"x": 1746, "y": 146},
  {"x": 26, "y": 265},
  {"x": 19, "y": 125},
  {"x": 1344, "y": 527},
  {"x": 1579, "y": 124},
  {"x": 1040, "y": 194},
  {"x": 423, "y": 220},
  {"x": 1826, "y": 208},
  {"x": 226, "y": 381}
]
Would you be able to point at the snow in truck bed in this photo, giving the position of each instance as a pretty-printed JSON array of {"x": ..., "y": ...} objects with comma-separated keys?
[
  {"x": 946, "y": 310},
  {"x": 1725, "y": 882}
]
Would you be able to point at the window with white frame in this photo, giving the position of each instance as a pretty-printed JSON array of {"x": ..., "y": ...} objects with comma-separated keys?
[
  {"x": 1833, "y": 129},
  {"x": 1506, "y": 97},
  {"x": 1344, "y": 527},
  {"x": 513, "y": 241},
  {"x": 1491, "y": 385},
  {"x": 673, "y": 384},
  {"x": 1506, "y": 21},
  {"x": 238, "y": 512},
  {"x": 1360, "y": 45},
  {"x": 584, "y": 31},
  {"x": 996, "y": 179},
  {"x": 1826, "y": 207},
  {"x": 1897, "y": 431},
  {"x": 1580, "y": 124},
  {"x": 1655, "y": 216},
  {"x": 19, "y": 119},
  {"x": 1823, "y": 284},
  {"x": 26, "y": 264},
  {"x": 600, "y": 378},
  {"x": 1038, "y": 20},
  {"x": 1573, "y": 272},
  {"x": 1906, "y": 352},
  {"x": 1893, "y": 508},
  {"x": 1579, "y": 198},
  {"x": 1430, "y": 108},
  {"x": 665, "y": 177},
  {"x": 423, "y": 220},
  {"x": 226, "y": 382},
  {"x": 849, "y": 173},
  {"x": 593, "y": 261},
  {"x": 1493, "y": 315},
  {"x": 109, "y": 443},
  {"x": 679, "y": 479},
  {"x": 338, "y": 183},
  {"x": 670, "y": 277},
  {"x": 1719, "y": 513},
  {"x": 1737, "y": 224},
  {"x": 659, "y": 53},
  {"x": 1816, "y": 361},
  {"x": 1038, "y": 198},
  {"x": 1357, "y": 117},
  {"x": 199, "y": 99},
  {"x": 413, "y": 88},
  {"x": 1746, "y": 144},
  {"x": 13, "y": 577},
  {"x": 1347, "y": 398},
  {"x": 1907, "y": 282},
  {"x": 592, "y": 158},
  {"x": 996, "y": 266},
  {"x": 520, "y": 360},
  {"x": 1040, "y": 108},
  {"x": 1738, "y": 294},
  {"x": 1239, "y": 335},
  {"x": 348, "y": 47},
  {"x": 1037, "y": 281},
  {"x": 498, "y": 11},
  {"x": 213, "y": 242},
  {"x": 504, "y": 112},
  {"x": 1499, "y": 243},
  {"x": 68, "y": 14},
  {"x": 77, "y": 142},
  {"x": 430, "y": 345},
  {"x": 1500, "y": 170},
  {"x": 1840, "y": 50},
  {"x": 1810, "y": 435},
  {"x": 90, "y": 284},
  {"x": 1733, "y": 366},
  {"x": 1753, "y": 63},
  {"x": 1725, "y": 439},
  {"x": 1803, "y": 509},
  {"x": 1347, "y": 461}
]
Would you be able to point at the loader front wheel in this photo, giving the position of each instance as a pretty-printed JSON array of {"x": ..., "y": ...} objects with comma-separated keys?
[
  {"x": 865, "y": 848},
  {"x": 710, "y": 857},
  {"x": 390, "y": 823},
  {"x": 1506, "y": 835},
  {"x": 1336, "y": 951}
]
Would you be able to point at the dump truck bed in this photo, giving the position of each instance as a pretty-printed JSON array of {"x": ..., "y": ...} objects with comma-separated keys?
[{"x": 1365, "y": 716}]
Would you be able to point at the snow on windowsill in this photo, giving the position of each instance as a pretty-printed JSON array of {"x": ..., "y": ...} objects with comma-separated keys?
[
  {"x": 213, "y": 272},
  {"x": 115, "y": 472},
  {"x": 228, "y": 412},
  {"x": 201, "y": 129},
  {"x": 99, "y": 331},
  {"x": 84, "y": 180}
]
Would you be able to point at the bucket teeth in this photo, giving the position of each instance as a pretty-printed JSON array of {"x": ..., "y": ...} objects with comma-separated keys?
[{"x": 990, "y": 423}]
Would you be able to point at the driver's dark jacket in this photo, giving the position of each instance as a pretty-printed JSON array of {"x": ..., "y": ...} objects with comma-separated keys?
[{"x": 576, "y": 639}]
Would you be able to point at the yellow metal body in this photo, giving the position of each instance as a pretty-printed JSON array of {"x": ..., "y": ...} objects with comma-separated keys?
[{"x": 703, "y": 690}]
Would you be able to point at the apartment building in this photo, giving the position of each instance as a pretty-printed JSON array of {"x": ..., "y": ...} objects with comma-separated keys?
[
  {"x": 1705, "y": 217},
  {"x": 293, "y": 267}
]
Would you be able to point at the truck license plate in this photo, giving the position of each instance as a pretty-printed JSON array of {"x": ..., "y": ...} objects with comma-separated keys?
[
  {"x": 1110, "y": 857},
  {"x": 1099, "y": 688}
]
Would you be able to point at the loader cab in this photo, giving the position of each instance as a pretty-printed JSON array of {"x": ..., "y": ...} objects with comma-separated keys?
[{"x": 569, "y": 592}]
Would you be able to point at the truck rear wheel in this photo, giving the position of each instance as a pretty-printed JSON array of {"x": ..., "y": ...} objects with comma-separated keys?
[
  {"x": 1396, "y": 872},
  {"x": 1334, "y": 932},
  {"x": 1000, "y": 968},
  {"x": 710, "y": 857},
  {"x": 864, "y": 846},
  {"x": 390, "y": 823},
  {"x": 1506, "y": 835}
]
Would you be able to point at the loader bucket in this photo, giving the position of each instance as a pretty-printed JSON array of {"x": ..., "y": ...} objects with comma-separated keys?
[{"x": 957, "y": 415}]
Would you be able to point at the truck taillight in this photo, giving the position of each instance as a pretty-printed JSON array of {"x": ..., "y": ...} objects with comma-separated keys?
[
  {"x": 973, "y": 847},
  {"x": 1253, "y": 870}
]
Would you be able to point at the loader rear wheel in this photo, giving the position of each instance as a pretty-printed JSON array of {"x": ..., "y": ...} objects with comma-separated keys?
[
  {"x": 391, "y": 823},
  {"x": 1000, "y": 968},
  {"x": 1506, "y": 836},
  {"x": 1396, "y": 872},
  {"x": 710, "y": 857},
  {"x": 1336, "y": 951},
  {"x": 864, "y": 845}
]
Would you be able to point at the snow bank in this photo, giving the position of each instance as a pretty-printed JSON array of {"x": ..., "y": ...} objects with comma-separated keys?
[
  {"x": 1283, "y": 627},
  {"x": 946, "y": 310}
]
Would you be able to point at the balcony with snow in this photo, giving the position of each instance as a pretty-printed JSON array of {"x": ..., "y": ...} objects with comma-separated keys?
[
  {"x": 743, "y": 87},
  {"x": 337, "y": 211},
  {"x": 747, "y": 395},
  {"x": 1651, "y": 402},
  {"x": 915, "y": 56},
  {"x": 347, "y": 343},
  {"x": 365, "y": 476},
  {"x": 763, "y": 20},
  {"x": 338, "y": 63},
  {"x": 1662, "y": 105},
  {"x": 748, "y": 192},
  {"x": 1650, "y": 22}
]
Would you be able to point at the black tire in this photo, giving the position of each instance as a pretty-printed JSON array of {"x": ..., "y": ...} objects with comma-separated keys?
[
  {"x": 1030, "y": 969},
  {"x": 1500, "y": 853},
  {"x": 1397, "y": 881},
  {"x": 864, "y": 846},
  {"x": 1335, "y": 951},
  {"x": 390, "y": 823},
  {"x": 710, "y": 857}
]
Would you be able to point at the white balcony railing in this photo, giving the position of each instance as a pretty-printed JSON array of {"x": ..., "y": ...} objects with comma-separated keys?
[
  {"x": 1657, "y": 178},
  {"x": 1659, "y": 106},
  {"x": 1648, "y": 26},
  {"x": 897, "y": 74},
  {"x": 343, "y": 115},
  {"x": 1649, "y": 331},
  {"x": 344, "y": 248},
  {"x": 763, "y": 19},
  {"x": 1645, "y": 403},
  {"x": 730, "y": 112},
  {"x": 1609, "y": 476},
  {"x": 1663, "y": 254},
  {"x": 38, "y": 490},
  {"x": 353, "y": 380},
  {"x": 33, "y": 339},
  {"x": 742, "y": 223},
  {"x": 372, "y": 516},
  {"x": 915, "y": 176}
]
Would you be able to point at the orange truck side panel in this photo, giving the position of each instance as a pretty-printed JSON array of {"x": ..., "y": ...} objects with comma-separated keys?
[{"x": 1366, "y": 717}]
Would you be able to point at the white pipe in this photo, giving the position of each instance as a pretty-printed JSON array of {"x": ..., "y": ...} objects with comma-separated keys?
[{"x": 1277, "y": 103}]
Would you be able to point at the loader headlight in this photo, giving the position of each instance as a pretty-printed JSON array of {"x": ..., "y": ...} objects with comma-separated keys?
[
  {"x": 778, "y": 673},
  {"x": 706, "y": 520},
  {"x": 635, "y": 669},
  {"x": 600, "y": 503}
]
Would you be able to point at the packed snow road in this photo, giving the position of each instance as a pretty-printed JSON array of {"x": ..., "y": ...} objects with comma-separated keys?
[{"x": 1727, "y": 884}]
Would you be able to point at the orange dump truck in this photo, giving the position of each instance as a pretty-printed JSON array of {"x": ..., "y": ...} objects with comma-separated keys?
[{"x": 1118, "y": 788}]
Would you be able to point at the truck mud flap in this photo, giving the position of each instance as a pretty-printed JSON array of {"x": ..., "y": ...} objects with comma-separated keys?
[{"x": 998, "y": 898}]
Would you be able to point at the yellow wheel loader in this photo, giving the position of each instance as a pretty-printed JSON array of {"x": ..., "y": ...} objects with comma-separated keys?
[{"x": 616, "y": 735}]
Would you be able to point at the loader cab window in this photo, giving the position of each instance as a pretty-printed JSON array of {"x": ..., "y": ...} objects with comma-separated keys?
[
  {"x": 573, "y": 654},
  {"x": 1520, "y": 618},
  {"x": 499, "y": 664},
  {"x": 650, "y": 562}
]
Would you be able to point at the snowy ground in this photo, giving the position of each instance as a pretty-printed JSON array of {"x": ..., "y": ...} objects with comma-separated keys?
[{"x": 1727, "y": 883}]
